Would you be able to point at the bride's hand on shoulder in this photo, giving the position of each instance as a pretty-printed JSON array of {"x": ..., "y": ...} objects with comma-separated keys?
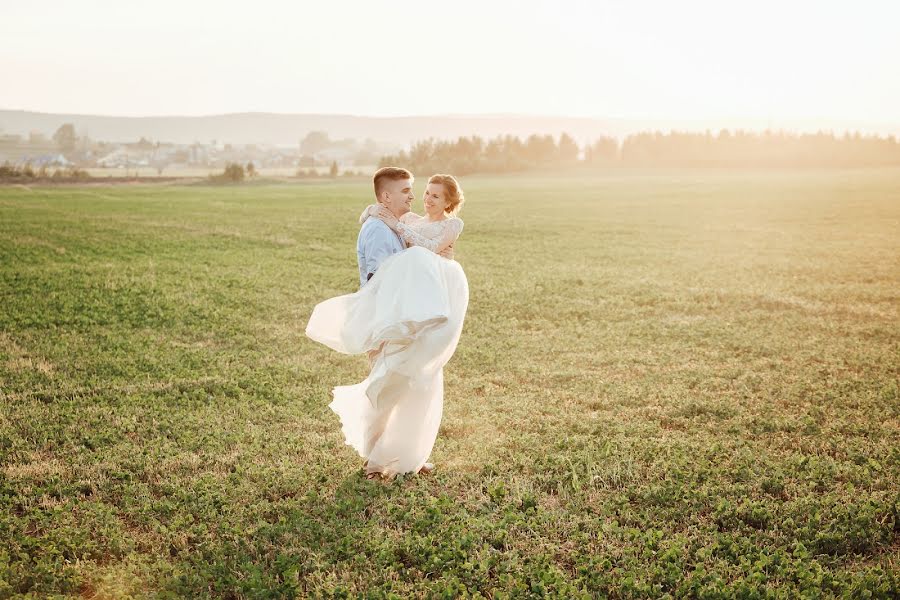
[
  {"x": 387, "y": 216},
  {"x": 367, "y": 212}
]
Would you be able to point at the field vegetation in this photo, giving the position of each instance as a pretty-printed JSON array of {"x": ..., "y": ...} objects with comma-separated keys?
[{"x": 671, "y": 383}]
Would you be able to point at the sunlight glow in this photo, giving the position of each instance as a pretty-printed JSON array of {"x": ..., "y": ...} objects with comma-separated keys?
[{"x": 680, "y": 60}]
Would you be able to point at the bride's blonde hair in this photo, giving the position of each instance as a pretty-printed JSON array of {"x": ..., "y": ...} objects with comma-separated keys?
[{"x": 452, "y": 190}]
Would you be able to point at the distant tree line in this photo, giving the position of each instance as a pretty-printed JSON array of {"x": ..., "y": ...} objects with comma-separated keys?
[
  {"x": 677, "y": 149},
  {"x": 474, "y": 154},
  {"x": 769, "y": 148},
  {"x": 28, "y": 174}
]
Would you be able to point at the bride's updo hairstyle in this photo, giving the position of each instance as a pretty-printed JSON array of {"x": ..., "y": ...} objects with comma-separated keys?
[{"x": 452, "y": 190}]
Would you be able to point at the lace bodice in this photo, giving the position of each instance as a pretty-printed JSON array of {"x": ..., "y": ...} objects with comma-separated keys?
[{"x": 419, "y": 231}]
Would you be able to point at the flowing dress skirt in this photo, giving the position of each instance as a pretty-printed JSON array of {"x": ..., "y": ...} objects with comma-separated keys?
[{"x": 414, "y": 306}]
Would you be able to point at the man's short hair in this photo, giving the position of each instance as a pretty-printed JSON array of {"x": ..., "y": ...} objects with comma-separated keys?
[{"x": 385, "y": 174}]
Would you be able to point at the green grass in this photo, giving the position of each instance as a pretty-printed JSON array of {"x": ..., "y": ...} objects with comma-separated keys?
[{"x": 670, "y": 384}]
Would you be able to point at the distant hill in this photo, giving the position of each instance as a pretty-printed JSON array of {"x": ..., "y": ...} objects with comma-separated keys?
[{"x": 289, "y": 129}]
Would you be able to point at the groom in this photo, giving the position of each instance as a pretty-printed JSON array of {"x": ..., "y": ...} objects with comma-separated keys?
[{"x": 377, "y": 241}]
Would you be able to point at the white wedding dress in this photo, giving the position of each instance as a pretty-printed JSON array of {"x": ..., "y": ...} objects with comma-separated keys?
[{"x": 414, "y": 305}]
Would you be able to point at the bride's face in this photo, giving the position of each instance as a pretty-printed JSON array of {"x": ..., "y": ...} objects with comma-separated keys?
[{"x": 435, "y": 199}]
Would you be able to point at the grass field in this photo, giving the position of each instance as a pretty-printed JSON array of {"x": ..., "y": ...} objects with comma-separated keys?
[{"x": 670, "y": 384}]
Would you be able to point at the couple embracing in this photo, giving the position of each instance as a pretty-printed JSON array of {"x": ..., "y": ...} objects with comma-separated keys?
[{"x": 407, "y": 317}]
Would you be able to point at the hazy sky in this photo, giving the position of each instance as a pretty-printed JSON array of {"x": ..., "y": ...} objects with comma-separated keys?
[{"x": 681, "y": 59}]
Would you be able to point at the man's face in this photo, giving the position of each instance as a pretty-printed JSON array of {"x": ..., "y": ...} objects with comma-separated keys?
[{"x": 397, "y": 196}]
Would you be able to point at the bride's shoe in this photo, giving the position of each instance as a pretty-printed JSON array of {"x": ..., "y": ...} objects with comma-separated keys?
[{"x": 426, "y": 468}]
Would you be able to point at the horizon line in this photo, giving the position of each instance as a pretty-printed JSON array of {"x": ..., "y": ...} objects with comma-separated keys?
[{"x": 807, "y": 119}]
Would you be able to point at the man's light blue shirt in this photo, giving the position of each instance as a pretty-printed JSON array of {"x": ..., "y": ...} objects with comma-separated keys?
[{"x": 376, "y": 241}]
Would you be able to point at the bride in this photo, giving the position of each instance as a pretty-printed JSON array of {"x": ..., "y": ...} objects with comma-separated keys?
[{"x": 408, "y": 318}]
